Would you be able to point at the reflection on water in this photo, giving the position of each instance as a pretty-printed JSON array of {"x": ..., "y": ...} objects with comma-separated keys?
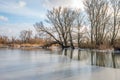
[
  {"x": 16, "y": 64},
  {"x": 87, "y": 57},
  {"x": 97, "y": 58}
]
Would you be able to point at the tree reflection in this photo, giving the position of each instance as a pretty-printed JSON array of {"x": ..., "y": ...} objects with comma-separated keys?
[
  {"x": 100, "y": 59},
  {"x": 97, "y": 58},
  {"x": 71, "y": 53},
  {"x": 65, "y": 52},
  {"x": 79, "y": 53},
  {"x": 92, "y": 57},
  {"x": 113, "y": 59}
]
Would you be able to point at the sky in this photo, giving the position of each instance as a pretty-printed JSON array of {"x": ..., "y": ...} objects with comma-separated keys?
[{"x": 18, "y": 15}]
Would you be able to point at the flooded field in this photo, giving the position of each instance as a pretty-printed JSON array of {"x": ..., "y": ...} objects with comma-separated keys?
[{"x": 16, "y": 64}]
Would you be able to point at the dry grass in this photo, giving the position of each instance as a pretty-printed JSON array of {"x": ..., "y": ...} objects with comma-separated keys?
[{"x": 104, "y": 47}]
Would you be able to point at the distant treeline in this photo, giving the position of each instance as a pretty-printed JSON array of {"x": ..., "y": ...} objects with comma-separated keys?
[{"x": 25, "y": 37}]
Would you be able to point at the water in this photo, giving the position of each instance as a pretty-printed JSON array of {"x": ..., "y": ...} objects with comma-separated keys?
[
  {"x": 16, "y": 64},
  {"x": 94, "y": 57}
]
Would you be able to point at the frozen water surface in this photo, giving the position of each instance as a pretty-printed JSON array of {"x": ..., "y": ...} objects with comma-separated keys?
[{"x": 16, "y": 64}]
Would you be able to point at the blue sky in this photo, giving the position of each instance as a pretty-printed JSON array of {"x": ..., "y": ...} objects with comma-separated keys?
[{"x": 17, "y": 15}]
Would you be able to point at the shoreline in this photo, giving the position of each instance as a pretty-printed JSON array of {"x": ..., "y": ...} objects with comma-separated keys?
[{"x": 38, "y": 46}]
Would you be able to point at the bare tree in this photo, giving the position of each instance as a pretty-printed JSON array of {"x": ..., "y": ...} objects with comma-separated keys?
[
  {"x": 115, "y": 9},
  {"x": 80, "y": 21},
  {"x": 98, "y": 16},
  {"x": 13, "y": 39},
  {"x": 25, "y": 35},
  {"x": 62, "y": 22},
  {"x": 4, "y": 39}
]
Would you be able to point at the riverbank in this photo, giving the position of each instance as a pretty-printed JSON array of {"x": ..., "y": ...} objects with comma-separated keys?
[
  {"x": 54, "y": 47},
  {"x": 29, "y": 46},
  {"x": 19, "y": 45}
]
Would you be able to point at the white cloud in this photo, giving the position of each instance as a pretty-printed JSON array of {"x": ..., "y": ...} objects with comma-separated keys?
[
  {"x": 77, "y": 4},
  {"x": 64, "y": 3},
  {"x": 13, "y": 29},
  {"x": 24, "y": 8},
  {"x": 3, "y": 18},
  {"x": 20, "y": 8},
  {"x": 22, "y": 4},
  {"x": 56, "y": 3}
]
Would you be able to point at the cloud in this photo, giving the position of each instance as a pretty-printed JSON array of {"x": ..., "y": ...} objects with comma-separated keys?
[
  {"x": 22, "y": 4},
  {"x": 28, "y": 8},
  {"x": 56, "y": 3},
  {"x": 5, "y": 4},
  {"x": 3, "y": 18},
  {"x": 64, "y": 3},
  {"x": 20, "y": 8},
  {"x": 13, "y": 29}
]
